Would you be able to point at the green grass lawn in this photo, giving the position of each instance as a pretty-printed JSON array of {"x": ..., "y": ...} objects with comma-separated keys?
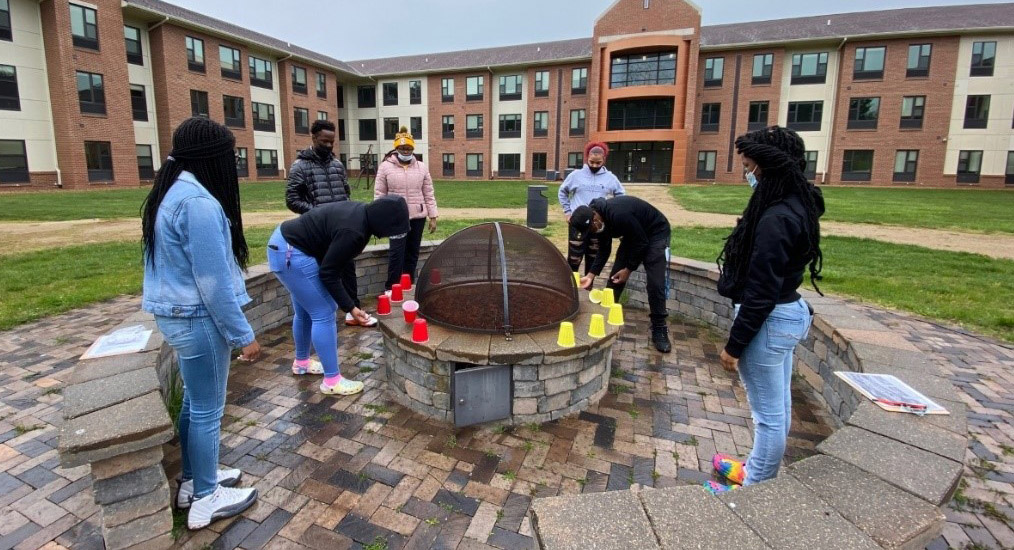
[
  {"x": 987, "y": 211},
  {"x": 966, "y": 289},
  {"x": 255, "y": 197}
]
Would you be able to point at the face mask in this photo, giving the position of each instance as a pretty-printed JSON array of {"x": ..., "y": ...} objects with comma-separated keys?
[
  {"x": 751, "y": 179},
  {"x": 595, "y": 169},
  {"x": 322, "y": 151},
  {"x": 405, "y": 158},
  {"x": 601, "y": 228}
]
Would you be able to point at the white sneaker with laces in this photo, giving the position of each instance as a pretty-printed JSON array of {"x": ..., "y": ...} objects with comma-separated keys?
[
  {"x": 343, "y": 387},
  {"x": 313, "y": 368},
  {"x": 226, "y": 477},
  {"x": 225, "y": 502}
]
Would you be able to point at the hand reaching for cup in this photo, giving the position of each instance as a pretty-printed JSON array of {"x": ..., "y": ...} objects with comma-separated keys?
[{"x": 586, "y": 281}]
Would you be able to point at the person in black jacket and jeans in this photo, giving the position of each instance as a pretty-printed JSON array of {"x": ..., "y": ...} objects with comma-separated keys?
[
  {"x": 317, "y": 177},
  {"x": 644, "y": 239},
  {"x": 762, "y": 266}
]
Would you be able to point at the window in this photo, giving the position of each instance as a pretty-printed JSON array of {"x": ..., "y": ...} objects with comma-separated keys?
[
  {"x": 368, "y": 130},
  {"x": 242, "y": 165},
  {"x": 415, "y": 92},
  {"x": 473, "y": 164},
  {"x": 977, "y": 111},
  {"x": 714, "y": 68},
  {"x": 198, "y": 103},
  {"x": 510, "y": 126},
  {"x": 811, "y": 165},
  {"x": 138, "y": 102},
  {"x": 863, "y": 113},
  {"x": 473, "y": 126},
  {"x": 447, "y": 126},
  {"x": 145, "y": 163},
  {"x": 540, "y": 124},
  {"x": 91, "y": 93},
  {"x": 5, "y": 22},
  {"x": 298, "y": 80},
  {"x": 541, "y": 83},
  {"x": 341, "y": 129},
  {"x": 261, "y": 73},
  {"x": 706, "y": 165},
  {"x": 577, "y": 122},
  {"x": 267, "y": 162},
  {"x": 132, "y": 38},
  {"x": 321, "y": 115},
  {"x": 13, "y": 161},
  {"x": 415, "y": 127},
  {"x": 10, "y": 98},
  {"x": 510, "y": 87},
  {"x": 366, "y": 96},
  {"x": 195, "y": 54},
  {"x": 231, "y": 67},
  {"x": 912, "y": 109},
  {"x": 1008, "y": 175},
  {"x": 233, "y": 107},
  {"x": 391, "y": 125},
  {"x": 390, "y": 93},
  {"x": 301, "y": 118},
  {"x": 857, "y": 165},
  {"x": 758, "y": 116},
  {"x": 263, "y": 116},
  {"x": 905, "y": 163},
  {"x": 809, "y": 68},
  {"x": 762, "y": 65},
  {"x": 575, "y": 161},
  {"x": 508, "y": 165},
  {"x": 578, "y": 81},
  {"x": 640, "y": 114},
  {"x": 448, "y": 164},
  {"x": 447, "y": 90},
  {"x": 649, "y": 69},
  {"x": 805, "y": 116},
  {"x": 99, "y": 158},
  {"x": 322, "y": 85},
  {"x": 983, "y": 58},
  {"x": 84, "y": 28},
  {"x": 341, "y": 97},
  {"x": 539, "y": 165},
  {"x": 918, "y": 60},
  {"x": 969, "y": 165},
  {"x": 473, "y": 88},
  {"x": 711, "y": 115},
  {"x": 869, "y": 63}
]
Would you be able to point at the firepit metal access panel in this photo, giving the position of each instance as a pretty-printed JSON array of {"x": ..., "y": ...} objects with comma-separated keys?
[{"x": 481, "y": 393}]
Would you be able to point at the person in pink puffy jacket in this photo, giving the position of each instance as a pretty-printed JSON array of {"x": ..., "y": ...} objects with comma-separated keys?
[{"x": 401, "y": 173}]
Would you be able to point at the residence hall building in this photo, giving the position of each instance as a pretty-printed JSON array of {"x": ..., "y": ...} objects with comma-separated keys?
[{"x": 90, "y": 93}]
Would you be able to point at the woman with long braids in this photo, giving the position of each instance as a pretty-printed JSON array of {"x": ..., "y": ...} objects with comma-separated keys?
[
  {"x": 194, "y": 250},
  {"x": 762, "y": 266}
]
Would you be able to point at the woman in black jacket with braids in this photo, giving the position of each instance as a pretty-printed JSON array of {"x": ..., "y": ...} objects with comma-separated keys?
[{"x": 762, "y": 265}]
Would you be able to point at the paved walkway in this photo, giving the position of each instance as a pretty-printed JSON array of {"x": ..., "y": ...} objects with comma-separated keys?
[{"x": 338, "y": 473}]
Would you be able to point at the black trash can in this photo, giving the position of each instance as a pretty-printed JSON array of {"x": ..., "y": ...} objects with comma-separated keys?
[{"x": 538, "y": 207}]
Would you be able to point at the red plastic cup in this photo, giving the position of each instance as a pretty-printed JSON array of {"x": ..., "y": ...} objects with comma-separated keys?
[
  {"x": 383, "y": 304},
  {"x": 420, "y": 332},
  {"x": 410, "y": 308},
  {"x": 406, "y": 281},
  {"x": 396, "y": 294},
  {"x": 435, "y": 276}
]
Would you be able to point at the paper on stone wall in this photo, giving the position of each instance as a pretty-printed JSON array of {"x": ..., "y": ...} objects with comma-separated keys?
[
  {"x": 125, "y": 340},
  {"x": 890, "y": 393}
]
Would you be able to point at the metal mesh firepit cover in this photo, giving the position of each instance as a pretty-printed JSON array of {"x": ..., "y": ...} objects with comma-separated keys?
[{"x": 496, "y": 278}]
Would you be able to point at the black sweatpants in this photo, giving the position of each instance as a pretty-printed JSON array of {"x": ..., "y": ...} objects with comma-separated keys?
[
  {"x": 578, "y": 250},
  {"x": 403, "y": 253},
  {"x": 656, "y": 268}
]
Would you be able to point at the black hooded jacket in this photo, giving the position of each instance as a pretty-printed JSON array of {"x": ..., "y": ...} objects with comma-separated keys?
[
  {"x": 314, "y": 181},
  {"x": 335, "y": 233},
  {"x": 636, "y": 222}
]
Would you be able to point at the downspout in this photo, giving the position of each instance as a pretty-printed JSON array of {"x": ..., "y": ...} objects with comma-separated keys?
[
  {"x": 834, "y": 108},
  {"x": 159, "y": 24},
  {"x": 489, "y": 169}
]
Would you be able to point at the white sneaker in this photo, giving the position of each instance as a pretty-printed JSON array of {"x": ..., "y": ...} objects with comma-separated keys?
[
  {"x": 351, "y": 321},
  {"x": 226, "y": 477},
  {"x": 313, "y": 368},
  {"x": 225, "y": 502},
  {"x": 343, "y": 387}
]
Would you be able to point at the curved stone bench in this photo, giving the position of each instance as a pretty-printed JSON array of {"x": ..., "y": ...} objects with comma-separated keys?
[{"x": 878, "y": 482}]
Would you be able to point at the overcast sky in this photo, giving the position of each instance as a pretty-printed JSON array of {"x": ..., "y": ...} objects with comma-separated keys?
[{"x": 358, "y": 29}]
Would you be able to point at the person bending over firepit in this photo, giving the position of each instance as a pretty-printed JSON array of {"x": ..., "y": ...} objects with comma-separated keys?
[
  {"x": 592, "y": 181},
  {"x": 644, "y": 239},
  {"x": 761, "y": 266},
  {"x": 309, "y": 254}
]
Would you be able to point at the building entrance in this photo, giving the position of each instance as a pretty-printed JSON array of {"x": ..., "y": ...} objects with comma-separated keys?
[{"x": 641, "y": 161}]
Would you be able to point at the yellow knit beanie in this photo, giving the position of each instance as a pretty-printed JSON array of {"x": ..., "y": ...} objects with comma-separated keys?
[{"x": 403, "y": 138}]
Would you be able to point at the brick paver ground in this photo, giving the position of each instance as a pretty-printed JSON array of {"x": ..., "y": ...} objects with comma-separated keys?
[{"x": 341, "y": 472}]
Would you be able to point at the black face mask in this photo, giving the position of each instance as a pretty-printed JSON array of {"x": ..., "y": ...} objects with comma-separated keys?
[
  {"x": 595, "y": 169},
  {"x": 322, "y": 152}
]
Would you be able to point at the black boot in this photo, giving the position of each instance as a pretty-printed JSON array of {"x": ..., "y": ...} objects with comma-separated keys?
[{"x": 660, "y": 338}]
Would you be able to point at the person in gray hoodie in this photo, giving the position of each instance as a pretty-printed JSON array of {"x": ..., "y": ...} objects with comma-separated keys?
[{"x": 592, "y": 181}]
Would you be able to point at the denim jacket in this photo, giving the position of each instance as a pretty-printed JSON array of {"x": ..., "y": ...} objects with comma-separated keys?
[{"x": 194, "y": 272}]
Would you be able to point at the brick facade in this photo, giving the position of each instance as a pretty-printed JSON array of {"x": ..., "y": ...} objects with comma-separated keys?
[
  {"x": 460, "y": 108},
  {"x": 292, "y": 99}
]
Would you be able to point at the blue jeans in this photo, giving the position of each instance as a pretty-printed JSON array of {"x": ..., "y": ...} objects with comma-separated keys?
[
  {"x": 313, "y": 318},
  {"x": 204, "y": 356},
  {"x": 766, "y": 371}
]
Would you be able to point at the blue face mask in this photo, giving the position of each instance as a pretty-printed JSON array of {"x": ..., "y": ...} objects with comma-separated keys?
[
  {"x": 751, "y": 179},
  {"x": 406, "y": 158}
]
